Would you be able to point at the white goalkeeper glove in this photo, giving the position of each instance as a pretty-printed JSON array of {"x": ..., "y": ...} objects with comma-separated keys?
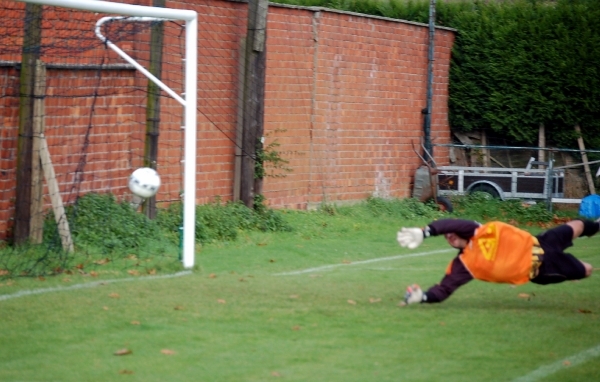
[
  {"x": 410, "y": 238},
  {"x": 414, "y": 294}
]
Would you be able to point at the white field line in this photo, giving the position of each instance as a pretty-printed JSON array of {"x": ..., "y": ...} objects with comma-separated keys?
[
  {"x": 568, "y": 362},
  {"x": 30, "y": 292},
  {"x": 332, "y": 266}
]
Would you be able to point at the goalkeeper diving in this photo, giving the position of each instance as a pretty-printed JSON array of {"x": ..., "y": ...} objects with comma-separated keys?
[{"x": 500, "y": 253}]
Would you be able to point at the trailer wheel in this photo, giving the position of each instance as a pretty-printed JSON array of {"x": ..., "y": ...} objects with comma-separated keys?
[
  {"x": 444, "y": 204},
  {"x": 487, "y": 189}
]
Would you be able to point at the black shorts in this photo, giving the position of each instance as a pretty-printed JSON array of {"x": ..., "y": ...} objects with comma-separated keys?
[{"x": 558, "y": 266}]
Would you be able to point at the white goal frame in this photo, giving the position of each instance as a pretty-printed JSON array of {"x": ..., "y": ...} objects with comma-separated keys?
[{"x": 189, "y": 103}]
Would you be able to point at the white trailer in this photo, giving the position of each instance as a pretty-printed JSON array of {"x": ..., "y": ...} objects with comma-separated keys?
[{"x": 505, "y": 183}]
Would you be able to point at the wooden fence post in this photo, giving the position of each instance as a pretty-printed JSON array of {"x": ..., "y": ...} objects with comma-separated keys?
[
  {"x": 30, "y": 54},
  {"x": 153, "y": 105},
  {"x": 586, "y": 165},
  {"x": 36, "y": 225},
  {"x": 254, "y": 98}
]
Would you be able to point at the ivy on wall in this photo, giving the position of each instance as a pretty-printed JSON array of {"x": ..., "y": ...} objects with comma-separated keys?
[{"x": 520, "y": 64}]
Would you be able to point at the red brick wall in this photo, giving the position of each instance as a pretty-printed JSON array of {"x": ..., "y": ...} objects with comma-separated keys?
[
  {"x": 222, "y": 24},
  {"x": 9, "y": 116},
  {"x": 344, "y": 95},
  {"x": 344, "y": 98}
]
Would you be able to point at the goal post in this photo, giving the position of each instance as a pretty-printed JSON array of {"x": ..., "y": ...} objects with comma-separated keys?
[{"x": 189, "y": 99}]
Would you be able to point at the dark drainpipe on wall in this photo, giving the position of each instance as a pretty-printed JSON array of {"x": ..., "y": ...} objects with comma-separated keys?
[{"x": 427, "y": 111}]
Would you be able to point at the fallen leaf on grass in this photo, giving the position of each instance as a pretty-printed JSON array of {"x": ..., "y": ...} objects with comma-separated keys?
[
  {"x": 41, "y": 278},
  {"x": 373, "y": 300},
  {"x": 105, "y": 307},
  {"x": 272, "y": 260},
  {"x": 346, "y": 262},
  {"x": 114, "y": 295},
  {"x": 402, "y": 303},
  {"x": 221, "y": 301},
  {"x": 168, "y": 351},
  {"x": 178, "y": 307},
  {"x": 4, "y": 272},
  {"x": 294, "y": 296},
  {"x": 212, "y": 276},
  {"x": 133, "y": 272},
  {"x": 584, "y": 311},
  {"x": 296, "y": 327},
  {"x": 135, "y": 323},
  {"x": 125, "y": 371},
  {"x": 567, "y": 363},
  {"x": 94, "y": 274},
  {"x": 351, "y": 302},
  {"x": 124, "y": 351},
  {"x": 523, "y": 295},
  {"x": 275, "y": 374},
  {"x": 102, "y": 261}
]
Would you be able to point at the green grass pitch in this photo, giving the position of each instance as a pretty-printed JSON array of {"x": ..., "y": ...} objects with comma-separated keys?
[{"x": 316, "y": 304}]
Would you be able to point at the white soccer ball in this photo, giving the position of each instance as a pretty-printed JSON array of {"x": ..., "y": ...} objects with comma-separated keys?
[{"x": 144, "y": 182}]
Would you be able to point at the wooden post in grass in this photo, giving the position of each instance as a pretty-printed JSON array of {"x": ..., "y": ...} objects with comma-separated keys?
[
  {"x": 153, "y": 105},
  {"x": 57, "y": 204},
  {"x": 254, "y": 99},
  {"x": 32, "y": 38},
  {"x": 41, "y": 163},
  {"x": 586, "y": 165},
  {"x": 36, "y": 219},
  {"x": 541, "y": 145}
]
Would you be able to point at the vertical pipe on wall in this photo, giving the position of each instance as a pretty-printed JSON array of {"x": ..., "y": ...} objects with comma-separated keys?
[{"x": 430, "y": 59}]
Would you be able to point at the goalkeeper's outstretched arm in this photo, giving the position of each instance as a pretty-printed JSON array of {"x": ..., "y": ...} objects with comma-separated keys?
[
  {"x": 413, "y": 237},
  {"x": 456, "y": 276},
  {"x": 458, "y": 232}
]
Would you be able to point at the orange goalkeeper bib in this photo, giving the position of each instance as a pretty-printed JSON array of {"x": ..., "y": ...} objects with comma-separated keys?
[{"x": 499, "y": 253}]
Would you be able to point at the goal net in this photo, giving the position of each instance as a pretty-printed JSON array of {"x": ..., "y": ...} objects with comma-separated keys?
[{"x": 102, "y": 89}]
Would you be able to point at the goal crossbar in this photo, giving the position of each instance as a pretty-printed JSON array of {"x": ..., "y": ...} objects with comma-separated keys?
[
  {"x": 127, "y": 58},
  {"x": 190, "y": 93}
]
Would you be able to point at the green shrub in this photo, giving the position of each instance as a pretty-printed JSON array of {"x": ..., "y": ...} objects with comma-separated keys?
[
  {"x": 409, "y": 208},
  {"x": 99, "y": 220},
  {"x": 107, "y": 231},
  {"x": 482, "y": 207},
  {"x": 219, "y": 221}
]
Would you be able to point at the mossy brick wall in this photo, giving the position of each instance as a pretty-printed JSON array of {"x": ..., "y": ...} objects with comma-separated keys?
[{"x": 344, "y": 94}]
